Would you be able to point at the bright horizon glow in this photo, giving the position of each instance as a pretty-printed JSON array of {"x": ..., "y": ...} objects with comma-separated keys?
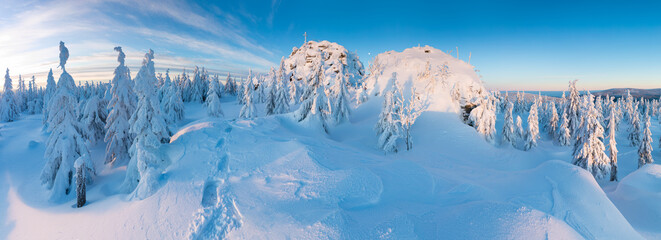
[{"x": 516, "y": 45}]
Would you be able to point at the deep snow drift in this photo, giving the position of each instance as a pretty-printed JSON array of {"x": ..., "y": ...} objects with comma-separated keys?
[{"x": 274, "y": 178}]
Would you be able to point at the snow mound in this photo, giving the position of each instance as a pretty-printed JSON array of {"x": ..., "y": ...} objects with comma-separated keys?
[
  {"x": 455, "y": 82},
  {"x": 302, "y": 61},
  {"x": 638, "y": 197}
]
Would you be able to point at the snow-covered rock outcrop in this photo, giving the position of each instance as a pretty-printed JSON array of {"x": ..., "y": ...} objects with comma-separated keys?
[
  {"x": 335, "y": 58},
  {"x": 454, "y": 83}
]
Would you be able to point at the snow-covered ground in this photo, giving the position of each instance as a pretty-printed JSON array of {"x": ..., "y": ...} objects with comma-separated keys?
[
  {"x": 281, "y": 180},
  {"x": 277, "y": 178}
]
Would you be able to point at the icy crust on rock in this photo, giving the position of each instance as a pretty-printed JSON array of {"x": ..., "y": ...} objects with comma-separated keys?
[
  {"x": 456, "y": 82},
  {"x": 302, "y": 61}
]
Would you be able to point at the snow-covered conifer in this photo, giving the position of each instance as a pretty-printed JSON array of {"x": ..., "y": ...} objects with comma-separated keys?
[
  {"x": 248, "y": 110},
  {"x": 341, "y": 111},
  {"x": 589, "y": 147},
  {"x": 281, "y": 98},
  {"x": 315, "y": 104},
  {"x": 532, "y": 135},
  {"x": 645, "y": 148},
  {"x": 148, "y": 126},
  {"x": 483, "y": 118},
  {"x": 9, "y": 109},
  {"x": 213, "y": 100},
  {"x": 94, "y": 119},
  {"x": 83, "y": 174},
  {"x": 508, "y": 132},
  {"x": 564, "y": 134},
  {"x": 65, "y": 143},
  {"x": 388, "y": 128},
  {"x": 230, "y": 85},
  {"x": 121, "y": 106},
  {"x": 173, "y": 105},
  {"x": 520, "y": 133},
  {"x": 634, "y": 127},
  {"x": 361, "y": 94},
  {"x": 573, "y": 109},
  {"x": 552, "y": 119},
  {"x": 612, "y": 145}
]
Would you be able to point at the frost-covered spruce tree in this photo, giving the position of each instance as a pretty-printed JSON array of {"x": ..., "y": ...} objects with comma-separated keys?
[
  {"x": 293, "y": 89},
  {"x": 645, "y": 148},
  {"x": 410, "y": 111},
  {"x": 552, "y": 120},
  {"x": 508, "y": 132},
  {"x": 341, "y": 111},
  {"x": 248, "y": 110},
  {"x": 390, "y": 109},
  {"x": 589, "y": 147},
  {"x": 281, "y": 98},
  {"x": 563, "y": 134},
  {"x": 173, "y": 105},
  {"x": 270, "y": 100},
  {"x": 197, "y": 86},
  {"x": 612, "y": 145},
  {"x": 315, "y": 105},
  {"x": 387, "y": 128},
  {"x": 50, "y": 91},
  {"x": 65, "y": 143},
  {"x": 483, "y": 118},
  {"x": 94, "y": 119},
  {"x": 9, "y": 109},
  {"x": 532, "y": 135},
  {"x": 361, "y": 94},
  {"x": 148, "y": 126},
  {"x": 573, "y": 109},
  {"x": 230, "y": 85},
  {"x": 217, "y": 85},
  {"x": 520, "y": 133},
  {"x": 122, "y": 106},
  {"x": 213, "y": 101},
  {"x": 634, "y": 127}
]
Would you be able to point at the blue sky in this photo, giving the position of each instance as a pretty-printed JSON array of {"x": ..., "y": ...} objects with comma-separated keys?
[{"x": 516, "y": 45}]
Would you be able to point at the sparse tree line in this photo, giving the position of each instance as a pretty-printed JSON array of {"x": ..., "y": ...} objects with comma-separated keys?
[
  {"x": 587, "y": 123},
  {"x": 136, "y": 117}
]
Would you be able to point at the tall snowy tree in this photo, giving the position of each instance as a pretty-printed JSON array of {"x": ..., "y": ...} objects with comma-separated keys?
[
  {"x": 563, "y": 134},
  {"x": 508, "y": 132},
  {"x": 388, "y": 128},
  {"x": 248, "y": 110},
  {"x": 65, "y": 143},
  {"x": 122, "y": 106},
  {"x": 410, "y": 111},
  {"x": 315, "y": 105},
  {"x": 50, "y": 91},
  {"x": 483, "y": 118},
  {"x": 9, "y": 109},
  {"x": 230, "y": 85},
  {"x": 148, "y": 125},
  {"x": 612, "y": 145},
  {"x": 520, "y": 133},
  {"x": 532, "y": 135},
  {"x": 173, "y": 105},
  {"x": 634, "y": 127},
  {"x": 361, "y": 94},
  {"x": 213, "y": 100},
  {"x": 340, "y": 103},
  {"x": 589, "y": 147},
  {"x": 573, "y": 109},
  {"x": 645, "y": 148},
  {"x": 552, "y": 120},
  {"x": 197, "y": 86},
  {"x": 270, "y": 100},
  {"x": 281, "y": 98},
  {"x": 94, "y": 119}
]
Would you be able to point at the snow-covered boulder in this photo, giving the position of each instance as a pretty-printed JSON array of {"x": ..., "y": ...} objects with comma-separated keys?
[
  {"x": 455, "y": 83},
  {"x": 302, "y": 61}
]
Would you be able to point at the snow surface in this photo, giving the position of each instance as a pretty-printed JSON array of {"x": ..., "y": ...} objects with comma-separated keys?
[
  {"x": 275, "y": 178},
  {"x": 278, "y": 180}
]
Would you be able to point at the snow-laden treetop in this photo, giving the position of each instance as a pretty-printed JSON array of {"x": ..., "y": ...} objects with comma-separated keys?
[
  {"x": 302, "y": 61},
  {"x": 121, "y": 56},
  {"x": 64, "y": 55},
  {"x": 452, "y": 82}
]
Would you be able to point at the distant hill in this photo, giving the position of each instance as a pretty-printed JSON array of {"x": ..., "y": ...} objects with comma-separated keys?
[{"x": 635, "y": 92}]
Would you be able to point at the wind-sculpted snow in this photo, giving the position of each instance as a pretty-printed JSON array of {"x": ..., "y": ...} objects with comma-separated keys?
[{"x": 638, "y": 197}]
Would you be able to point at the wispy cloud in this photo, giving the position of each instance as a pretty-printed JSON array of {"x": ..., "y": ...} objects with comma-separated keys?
[{"x": 30, "y": 31}]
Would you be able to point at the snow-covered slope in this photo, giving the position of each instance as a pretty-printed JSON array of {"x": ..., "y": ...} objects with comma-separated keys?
[
  {"x": 302, "y": 61},
  {"x": 454, "y": 81},
  {"x": 270, "y": 178}
]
